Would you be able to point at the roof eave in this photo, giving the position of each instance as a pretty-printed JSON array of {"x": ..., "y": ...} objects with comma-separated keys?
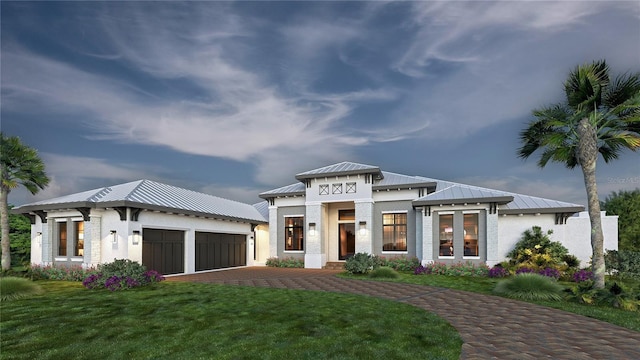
[
  {"x": 552, "y": 210},
  {"x": 268, "y": 196},
  {"x": 497, "y": 199},
  {"x": 428, "y": 185},
  {"x": 25, "y": 209},
  {"x": 376, "y": 171}
]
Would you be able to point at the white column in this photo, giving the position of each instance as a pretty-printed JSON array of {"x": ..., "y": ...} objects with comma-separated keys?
[
  {"x": 315, "y": 256},
  {"x": 190, "y": 251},
  {"x": 92, "y": 245},
  {"x": 364, "y": 213},
  {"x": 273, "y": 231},
  {"x": 47, "y": 242},
  {"x": 427, "y": 237},
  {"x": 492, "y": 239}
]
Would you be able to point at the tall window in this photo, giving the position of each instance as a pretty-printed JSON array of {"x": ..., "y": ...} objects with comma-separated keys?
[
  {"x": 294, "y": 233},
  {"x": 446, "y": 235},
  {"x": 471, "y": 235},
  {"x": 394, "y": 232},
  {"x": 62, "y": 239},
  {"x": 79, "y": 232}
]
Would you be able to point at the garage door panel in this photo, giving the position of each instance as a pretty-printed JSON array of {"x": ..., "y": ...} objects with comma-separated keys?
[
  {"x": 163, "y": 250},
  {"x": 217, "y": 250}
]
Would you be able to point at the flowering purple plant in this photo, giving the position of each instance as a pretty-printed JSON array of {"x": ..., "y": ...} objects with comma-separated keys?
[
  {"x": 153, "y": 276},
  {"x": 582, "y": 275},
  {"x": 91, "y": 282},
  {"x": 498, "y": 272},
  {"x": 550, "y": 272},
  {"x": 113, "y": 283}
]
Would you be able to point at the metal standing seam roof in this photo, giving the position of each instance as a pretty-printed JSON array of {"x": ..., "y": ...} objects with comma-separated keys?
[
  {"x": 512, "y": 203},
  {"x": 151, "y": 195},
  {"x": 340, "y": 169}
]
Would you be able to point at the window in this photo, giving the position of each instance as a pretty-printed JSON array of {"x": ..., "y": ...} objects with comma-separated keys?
[
  {"x": 446, "y": 235},
  {"x": 337, "y": 189},
  {"x": 293, "y": 233},
  {"x": 324, "y": 189},
  {"x": 346, "y": 215},
  {"x": 471, "y": 235},
  {"x": 351, "y": 187},
  {"x": 394, "y": 232},
  {"x": 79, "y": 228},
  {"x": 62, "y": 239}
]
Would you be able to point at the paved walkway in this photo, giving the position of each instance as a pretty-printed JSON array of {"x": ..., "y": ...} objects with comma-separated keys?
[{"x": 491, "y": 327}]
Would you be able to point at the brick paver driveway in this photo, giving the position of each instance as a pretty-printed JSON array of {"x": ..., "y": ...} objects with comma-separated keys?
[{"x": 491, "y": 327}]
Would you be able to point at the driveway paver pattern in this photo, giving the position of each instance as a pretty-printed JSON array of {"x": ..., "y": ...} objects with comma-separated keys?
[{"x": 491, "y": 327}]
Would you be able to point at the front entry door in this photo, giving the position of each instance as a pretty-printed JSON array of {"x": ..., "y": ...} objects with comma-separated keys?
[{"x": 347, "y": 243}]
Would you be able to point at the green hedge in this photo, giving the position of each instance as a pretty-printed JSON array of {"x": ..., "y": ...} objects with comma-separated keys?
[{"x": 623, "y": 263}]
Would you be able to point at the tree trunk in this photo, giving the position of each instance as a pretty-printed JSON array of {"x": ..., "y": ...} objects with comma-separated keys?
[
  {"x": 4, "y": 224},
  {"x": 587, "y": 156}
]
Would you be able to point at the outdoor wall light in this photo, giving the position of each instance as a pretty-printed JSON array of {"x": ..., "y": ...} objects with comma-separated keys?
[
  {"x": 363, "y": 227},
  {"x": 136, "y": 237},
  {"x": 114, "y": 236},
  {"x": 39, "y": 237},
  {"x": 312, "y": 229}
]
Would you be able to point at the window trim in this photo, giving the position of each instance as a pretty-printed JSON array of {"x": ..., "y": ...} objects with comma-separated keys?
[
  {"x": 453, "y": 217},
  {"x": 406, "y": 230},
  {"x": 472, "y": 257},
  {"x": 303, "y": 233}
]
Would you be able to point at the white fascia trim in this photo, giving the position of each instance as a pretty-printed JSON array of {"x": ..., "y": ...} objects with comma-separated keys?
[
  {"x": 471, "y": 212},
  {"x": 359, "y": 201},
  {"x": 445, "y": 212},
  {"x": 395, "y": 212},
  {"x": 287, "y": 216}
]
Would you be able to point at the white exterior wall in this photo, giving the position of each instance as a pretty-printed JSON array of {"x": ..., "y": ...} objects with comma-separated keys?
[
  {"x": 364, "y": 213},
  {"x": 315, "y": 255},
  {"x": 262, "y": 244},
  {"x": 575, "y": 235},
  {"x": 427, "y": 238},
  {"x": 99, "y": 246}
]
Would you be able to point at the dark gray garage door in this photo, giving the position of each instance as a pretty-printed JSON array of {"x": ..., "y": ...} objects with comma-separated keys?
[
  {"x": 163, "y": 250},
  {"x": 217, "y": 251}
]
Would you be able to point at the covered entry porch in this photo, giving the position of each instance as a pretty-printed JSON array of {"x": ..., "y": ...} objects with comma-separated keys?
[{"x": 336, "y": 231}]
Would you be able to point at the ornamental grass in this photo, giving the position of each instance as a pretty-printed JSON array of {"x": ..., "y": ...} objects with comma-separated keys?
[
  {"x": 530, "y": 286},
  {"x": 12, "y": 288}
]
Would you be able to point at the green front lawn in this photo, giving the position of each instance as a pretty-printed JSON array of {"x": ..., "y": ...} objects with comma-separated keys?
[{"x": 176, "y": 320}]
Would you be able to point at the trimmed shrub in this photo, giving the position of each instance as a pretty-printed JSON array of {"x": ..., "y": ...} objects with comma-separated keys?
[
  {"x": 498, "y": 272},
  {"x": 289, "y": 262},
  {"x": 400, "y": 263},
  {"x": 12, "y": 288},
  {"x": 529, "y": 286},
  {"x": 458, "y": 269},
  {"x": 384, "y": 272},
  {"x": 60, "y": 272},
  {"x": 623, "y": 263},
  {"x": 121, "y": 274},
  {"x": 361, "y": 263},
  {"x": 536, "y": 250}
]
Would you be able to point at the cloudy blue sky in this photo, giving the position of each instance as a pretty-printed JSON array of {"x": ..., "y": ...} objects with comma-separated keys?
[{"x": 235, "y": 98}]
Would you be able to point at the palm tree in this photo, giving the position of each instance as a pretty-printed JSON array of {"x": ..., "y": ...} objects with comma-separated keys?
[
  {"x": 19, "y": 165},
  {"x": 599, "y": 116}
]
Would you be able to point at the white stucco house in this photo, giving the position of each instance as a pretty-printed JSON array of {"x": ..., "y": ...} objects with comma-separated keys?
[
  {"x": 327, "y": 215},
  {"x": 335, "y": 211}
]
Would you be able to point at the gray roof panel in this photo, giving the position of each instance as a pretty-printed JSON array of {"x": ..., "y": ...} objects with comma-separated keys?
[
  {"x": 289, "y": 190},
  {"x": 392, "y": 181},
  {"x": 152, "y": 195},
  {"x": 340, "y": 169}
]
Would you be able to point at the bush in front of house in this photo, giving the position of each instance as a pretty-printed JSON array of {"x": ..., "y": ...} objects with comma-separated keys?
[
  {"x": 623, "y": 263},
  {"x": 288, "y": 262},
  {"x": 121, "y": 274},
  {"x": 458, "y": 269},
  {"x": 384, "y": 272},
  {"x": 400, "y": 263},
  {"x": 12, "y": 288},
  {"x": 60, "y": 272},
  {"x": 498, "y": 272},
  {"x": 536, "y": 250},
  {"x": 529, "y": 286},
  {"x": 361, "y": 263}
]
